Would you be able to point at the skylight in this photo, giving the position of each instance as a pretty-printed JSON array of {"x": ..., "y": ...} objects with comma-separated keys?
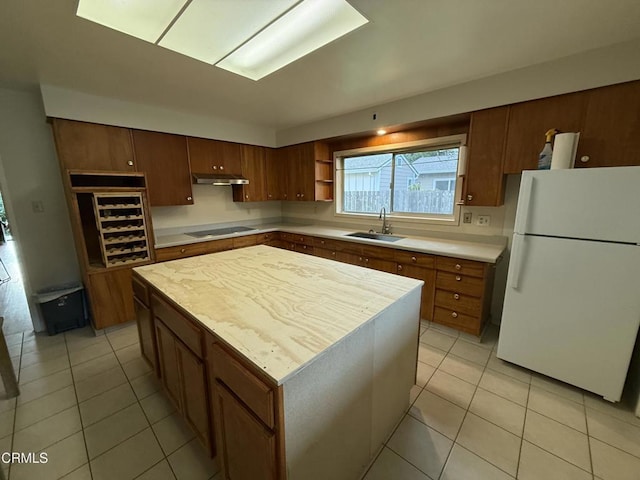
[{"x": 252, "y": 38}]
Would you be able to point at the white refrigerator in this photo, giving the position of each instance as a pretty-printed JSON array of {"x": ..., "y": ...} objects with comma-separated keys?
[{"x": 572, "y": 302}]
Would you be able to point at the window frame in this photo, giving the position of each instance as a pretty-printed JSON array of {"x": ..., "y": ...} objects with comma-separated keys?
[{"x": 457, "y": 141}]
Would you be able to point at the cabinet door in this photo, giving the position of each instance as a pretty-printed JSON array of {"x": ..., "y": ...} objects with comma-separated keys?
[
  {"x": 111, "y": 296},
  {"x": 163, "y": 157},
  {"x": 253, "y": 169},
  {"x": 307, "y": 171},
  {"x": 529, "y": 121},
  {"x": 292, "y": 159},
  {"x": 611, "y": 133},
  {"x": 209, "y": 156},
  {"x": 146, "y": 333},
  {"x": 90, "y": 146},
  {"x": 168, "y": 360},
  {"x": 484, "y": 180},
  {"x": 247, "y": 447},
  {"x": 276, "y": 175},
  {"x": 194, "y": 393},
  {"x": 428, "y": 289}
]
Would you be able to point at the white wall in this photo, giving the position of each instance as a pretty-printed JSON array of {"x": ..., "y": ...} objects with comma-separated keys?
[
  {"x": 213, "y": 204},
  {"x": 595, "y": 68},
  {"x": 29, "y": 172},
  {"x": 74, "y": 105}
]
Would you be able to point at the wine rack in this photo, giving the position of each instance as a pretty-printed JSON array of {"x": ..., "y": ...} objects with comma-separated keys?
[{"x": 122, "y": 229}]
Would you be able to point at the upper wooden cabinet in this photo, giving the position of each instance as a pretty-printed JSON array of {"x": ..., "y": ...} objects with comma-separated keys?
[
  {"x": 484, "y": 180},
  {"x": 529, "y": 121},
  {"x": 253, "y": 169},
  {"x": 276, "y": 175},
  {"x": 308, "y": 165},
  {"x": 610, "y": 136},
  {"x": 163, "y": 157},
  {"x": 91, "y": 146},
  {"x": 211, "y": 156}
]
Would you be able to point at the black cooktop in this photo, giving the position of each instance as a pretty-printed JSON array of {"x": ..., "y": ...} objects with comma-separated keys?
[{"x": 220, "y": 231}]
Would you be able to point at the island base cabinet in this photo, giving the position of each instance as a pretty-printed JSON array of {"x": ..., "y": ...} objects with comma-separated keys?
[
  {"x": 146, "y": 333},
  {"x": 247, "y": 449},
  {"x": 194, "y": 398},
  {"x": 168, "y": 360}
]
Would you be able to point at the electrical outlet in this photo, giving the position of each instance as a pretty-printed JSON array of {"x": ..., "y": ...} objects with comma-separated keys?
[
  {"x": 483, "y": 220},
  {"x": 466, "y": 218}
]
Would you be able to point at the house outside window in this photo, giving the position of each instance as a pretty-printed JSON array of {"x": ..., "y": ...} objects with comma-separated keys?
[{"x": 416, "y": 180}]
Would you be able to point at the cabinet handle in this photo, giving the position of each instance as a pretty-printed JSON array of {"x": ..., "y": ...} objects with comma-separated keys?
[
  {"x": 469, "y": 198},
  {"x": 399, "y": 268},
  {"x": 221, "y": 167},
  {"x": 584, "y": 158},
  {"x": 182, "y": 250},
  {"x": 322, "y": 242},
  {"x": 298, "y": 195},
  {"x": 414, "y": 259},
  {"x": 458, "y": 266},
  {"x": 304, "y": 247},
  {"x": 189, "y": 198},
  {"x": 366, "y": 260},
  {"x": 246, "y": 196},
  {"x": 333, "y": 253},
  {"x": 456, "y": 296},
  {"x": 302, "y": 239},
  {"x": 269, "y": 195},
  {"x": 360, "y": 258},
  {"x": 215, "y": 167},
  {"x": 454, "y": 314},
  {"x": 302, "y": 195},
  {"x": 130, "y": 163},
  {"x": 458, "y": 278}
]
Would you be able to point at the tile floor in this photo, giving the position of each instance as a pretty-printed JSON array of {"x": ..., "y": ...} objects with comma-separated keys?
[
  {"x": 92, "y": 404},
  {"x": 475, "y": 417}
]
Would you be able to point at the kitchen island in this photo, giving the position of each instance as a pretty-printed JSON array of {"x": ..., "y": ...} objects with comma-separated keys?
[{"x": 300, "y": 367}]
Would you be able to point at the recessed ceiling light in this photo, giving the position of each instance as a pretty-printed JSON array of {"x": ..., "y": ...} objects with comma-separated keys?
[
  {"x": 208, "y": 30},
  {"x": 305, "y": 28},
  {"x": 381, "y": 131},
  {"x": 144, "y": 19}
]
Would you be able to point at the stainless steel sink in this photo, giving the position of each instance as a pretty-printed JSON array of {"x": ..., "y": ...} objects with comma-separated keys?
[{"x": 375, "y": 236}]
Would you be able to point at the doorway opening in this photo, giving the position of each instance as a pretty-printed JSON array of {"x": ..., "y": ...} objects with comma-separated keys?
[{"x": 13, "y": 300}]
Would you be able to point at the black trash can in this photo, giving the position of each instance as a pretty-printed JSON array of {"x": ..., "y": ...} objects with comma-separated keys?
[{"x": 63, "y": 307}]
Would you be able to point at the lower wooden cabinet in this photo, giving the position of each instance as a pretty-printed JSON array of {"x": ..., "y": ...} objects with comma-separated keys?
[
  {"x": 247, "y": 447},
  {"x": 111, "y": 296},
  {"x": 146, "y": 333},
  {"x": 182, "y": 370}
]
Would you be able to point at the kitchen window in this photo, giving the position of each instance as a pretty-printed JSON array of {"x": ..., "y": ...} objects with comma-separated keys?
[{"x": 411, "y": 181}]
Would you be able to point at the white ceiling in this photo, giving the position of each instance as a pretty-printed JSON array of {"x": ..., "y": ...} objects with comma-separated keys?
[{"x": 409, "y": 47}]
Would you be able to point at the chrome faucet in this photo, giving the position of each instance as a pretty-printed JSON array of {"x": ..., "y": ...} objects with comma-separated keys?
[{"x": 386, "y": 228}]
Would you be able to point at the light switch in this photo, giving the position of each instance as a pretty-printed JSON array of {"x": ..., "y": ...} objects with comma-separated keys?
[{"x": 37, "y": 206}]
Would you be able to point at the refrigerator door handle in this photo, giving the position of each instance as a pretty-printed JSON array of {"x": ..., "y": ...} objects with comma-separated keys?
[
  {"x": 526, "y": 191},
  {"x": 517, "y": 257}
]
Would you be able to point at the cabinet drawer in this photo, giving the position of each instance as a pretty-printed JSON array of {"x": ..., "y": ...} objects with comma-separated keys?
[
  {"x": 218, "y": 245},
  {"x": 245, "y": 241},
  {"x": 140, "y": 291},
  {"x": 244, "y": 384},
  {"x": 181, "y": 326},
  {"x": 268, "y": 238},
  {"x": 458, "y": 302},
  {"x": 460, "y": 321},
  {"x": 181, "y": 251},
  {"x": 324, "y": 253},
  {"x": 415, "y": 258},
  {"x": 455, "y": 282},
  {"x": 456, "y": 265},
  {"x": 380, "y": 253},
  {"x": 304, "y": 248}
]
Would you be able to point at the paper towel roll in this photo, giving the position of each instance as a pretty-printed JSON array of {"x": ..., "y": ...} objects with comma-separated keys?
[{"x": 565, "y": 147}]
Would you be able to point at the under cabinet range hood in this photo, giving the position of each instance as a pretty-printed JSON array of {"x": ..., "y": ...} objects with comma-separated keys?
[{"x": 218, "y": 179}]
